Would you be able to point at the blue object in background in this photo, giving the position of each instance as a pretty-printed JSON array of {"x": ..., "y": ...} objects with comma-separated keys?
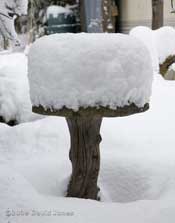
[{"x": 62, "y": 23}]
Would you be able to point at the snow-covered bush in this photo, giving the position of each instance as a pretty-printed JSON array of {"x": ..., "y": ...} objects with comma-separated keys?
[
  {"x": 9, "y": 9},
  {"x": 164, "y": 42},
  {"x": 89, "y": 70},
  {"x": 160, "y": 43},
  {"x": 15, "y": 102},
  {"x": 145, "y": 34}
]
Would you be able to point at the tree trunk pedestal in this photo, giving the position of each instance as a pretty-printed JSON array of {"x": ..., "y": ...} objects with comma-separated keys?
[
  {"x": 84, "y": 127},
  {"x": 85, "y": 156}
]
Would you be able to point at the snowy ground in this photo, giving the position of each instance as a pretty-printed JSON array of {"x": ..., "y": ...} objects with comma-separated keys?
[{"x": 137, "y": 177}]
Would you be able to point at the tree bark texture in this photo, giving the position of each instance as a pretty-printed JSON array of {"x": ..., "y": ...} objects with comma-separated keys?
[
  {"x": 85, "y": 156},
  {"x": 157, "y": 13}
]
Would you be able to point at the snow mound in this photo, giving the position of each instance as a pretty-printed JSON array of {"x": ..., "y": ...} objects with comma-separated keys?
[
  {"x": 89, "y": 70},
  {"x": 14, "y": 90},
  {"x": 160, "y": 42}
]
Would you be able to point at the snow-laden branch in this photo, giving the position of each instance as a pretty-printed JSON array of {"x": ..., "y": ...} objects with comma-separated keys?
[{"x": 9, "y": 10}]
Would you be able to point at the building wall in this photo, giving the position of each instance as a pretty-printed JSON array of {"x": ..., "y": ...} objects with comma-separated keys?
[
  {"x": 169, "y": 18},
  {"x": 139, "y": 12}
]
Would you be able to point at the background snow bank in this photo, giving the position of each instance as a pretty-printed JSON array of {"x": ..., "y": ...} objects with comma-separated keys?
[
  {"x": 160, "y": 42},
  {"x": 81, "y": 70}
]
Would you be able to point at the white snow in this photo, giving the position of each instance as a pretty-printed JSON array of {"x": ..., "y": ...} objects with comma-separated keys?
[
  {"x": 164, "y": 41},
  {"x": 55, "y": 10},
  {"x": 14, "y": 90},
  {"x": 160, "y": 42},
  {"x": 137, "y": 177},
  {"x": 81, "y": 70},
  {"x": 145, "y": 34}
]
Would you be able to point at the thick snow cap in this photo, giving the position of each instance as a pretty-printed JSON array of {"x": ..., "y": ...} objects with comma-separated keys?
[{"x": 89, "y": 70}]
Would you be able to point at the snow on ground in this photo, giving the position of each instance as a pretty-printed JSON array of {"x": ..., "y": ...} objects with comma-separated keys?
[
  {"x": 137, "y": 177},
  {"x": 137, "y": 169},
  {"x": 72, "y": 74}
]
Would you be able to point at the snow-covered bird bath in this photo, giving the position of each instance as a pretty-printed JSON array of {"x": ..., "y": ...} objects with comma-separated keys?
[
  {"x": 85, "y": 77},
  {"x": 161, "y": 46}
]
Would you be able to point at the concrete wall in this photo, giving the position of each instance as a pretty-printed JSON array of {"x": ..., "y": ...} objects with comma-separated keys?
[
  {"x": 169, "y": 18},
  {"x": 139, "y": 12}
]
